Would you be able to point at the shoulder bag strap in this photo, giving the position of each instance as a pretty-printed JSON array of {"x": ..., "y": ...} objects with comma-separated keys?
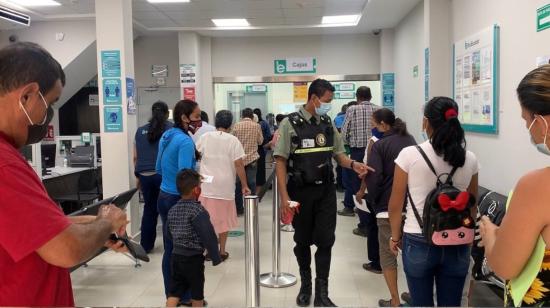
[{"x": 415, "y": 210}]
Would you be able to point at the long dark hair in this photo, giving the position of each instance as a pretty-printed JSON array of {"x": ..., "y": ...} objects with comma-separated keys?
[
  {"x": 387, "y": 116},
  {"x": 157, "y": 121},
  {"x": 185, "y": 107},
  {"x": 448, "y": 136},
  {"x": 258, "y": 112}
]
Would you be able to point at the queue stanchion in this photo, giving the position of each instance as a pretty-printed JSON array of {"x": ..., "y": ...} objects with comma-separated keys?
[
  {"x": 276, "y": 279},
  {"x": 252, "y": 255}
]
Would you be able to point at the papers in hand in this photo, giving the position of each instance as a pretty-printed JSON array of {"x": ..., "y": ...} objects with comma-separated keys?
[
  {"x": 207, "y": 179},
  {"x": 362, "y": 206}
]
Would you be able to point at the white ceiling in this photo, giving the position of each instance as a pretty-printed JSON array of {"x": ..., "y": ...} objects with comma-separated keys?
[{"x": 266, "y": 17}]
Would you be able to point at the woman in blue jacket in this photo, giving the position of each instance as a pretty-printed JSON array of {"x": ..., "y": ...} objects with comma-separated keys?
[
  {"x": 145, "y": 156},
  {"x": 176, "y": 152}
]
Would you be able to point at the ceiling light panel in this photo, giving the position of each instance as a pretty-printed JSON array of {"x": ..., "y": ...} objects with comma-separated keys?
[
  {"x": 340, "y": 19},
  {"x": 29, "y": 3},
  {"x": 231, "y": 23},
  {"x": 168, "y": 1}
]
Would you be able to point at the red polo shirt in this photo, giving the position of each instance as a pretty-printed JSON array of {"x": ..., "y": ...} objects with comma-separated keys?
[{"x": 28, "y": 220}]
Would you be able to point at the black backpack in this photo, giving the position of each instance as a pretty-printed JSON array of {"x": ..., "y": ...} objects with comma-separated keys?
[{"x": 446, "y": 219}]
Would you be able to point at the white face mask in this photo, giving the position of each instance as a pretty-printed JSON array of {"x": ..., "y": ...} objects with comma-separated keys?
[{"x": 541, "y": 147}]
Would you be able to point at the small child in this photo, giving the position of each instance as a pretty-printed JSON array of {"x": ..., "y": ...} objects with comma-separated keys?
[{"x": 190, "y": 230}]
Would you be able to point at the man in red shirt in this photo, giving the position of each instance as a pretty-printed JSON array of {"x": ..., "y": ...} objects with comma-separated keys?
[{"x": 38, "y": 243}]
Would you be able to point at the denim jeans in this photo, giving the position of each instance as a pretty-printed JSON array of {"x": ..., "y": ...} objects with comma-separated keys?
[
  {"x": 351, "y": 181},
  {"x": 426, "y": 264},
  {"x": 165, "y": 203},
  {"x": 251, "y": 170},
  {"x": 150, "y": 188}
]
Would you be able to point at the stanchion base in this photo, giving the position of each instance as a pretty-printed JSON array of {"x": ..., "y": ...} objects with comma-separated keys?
[{"x": 283, "y": 280}]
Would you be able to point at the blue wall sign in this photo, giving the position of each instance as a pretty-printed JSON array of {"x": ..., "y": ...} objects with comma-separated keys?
[
  {"x": 112, "y": 92},
  {"x": 112, "y": 119},
  {"x": 110, "y": 63}
]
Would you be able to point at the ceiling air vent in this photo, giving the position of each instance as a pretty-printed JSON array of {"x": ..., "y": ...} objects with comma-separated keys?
[{"x": 14, "y": 17}]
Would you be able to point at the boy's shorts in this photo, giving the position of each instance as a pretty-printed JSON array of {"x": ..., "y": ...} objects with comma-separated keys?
[
  {"x": 187, "y": 273},
  {"x": 387, "y": 259}
]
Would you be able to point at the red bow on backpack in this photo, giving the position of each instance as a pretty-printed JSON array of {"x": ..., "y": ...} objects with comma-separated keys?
[{"x": 459, "y": 204}]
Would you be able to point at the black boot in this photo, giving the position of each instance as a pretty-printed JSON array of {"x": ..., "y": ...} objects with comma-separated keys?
[
  {"x": 321, "y": 294},
  {"x": 304, "y": 297}
]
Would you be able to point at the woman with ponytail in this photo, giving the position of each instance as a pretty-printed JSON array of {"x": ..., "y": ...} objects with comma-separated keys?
[
  {"x": 425, "y": 264},
  {"x": 176, "y": 152},
  {"x": 146, "y": 146},
  {"x": 379, "y": 185}
]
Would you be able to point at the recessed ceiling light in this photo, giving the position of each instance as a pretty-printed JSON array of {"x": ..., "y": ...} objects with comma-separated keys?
[
  {"x": 341, "y": 20},
  {"x": 231, "y": 23},
  {"x": 168, "y": 1},
  {"x": 35, "y": 2}
]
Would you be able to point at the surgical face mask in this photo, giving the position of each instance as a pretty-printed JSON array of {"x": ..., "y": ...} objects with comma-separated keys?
[
  {"x": 37, "y": 132},
  {"x": 541, "y": 147},
  {"x": 194, "y": 126},
  {"x": 376, "y": 133},
  {"x": 425, "y": 135},
  {"x": 323, "y": 109}
]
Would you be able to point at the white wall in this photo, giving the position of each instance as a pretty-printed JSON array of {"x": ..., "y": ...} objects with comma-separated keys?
[
  {"x": 408, "y": 52},
  {"x": 336, "y": 54},
  {"x": 506, "y": 157},
  {"x": 162, "y": 50}
]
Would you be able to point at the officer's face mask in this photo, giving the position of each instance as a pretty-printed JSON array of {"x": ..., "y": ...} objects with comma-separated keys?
[
  {"x": 37, "y": 132},
  {"x": 541, "y": 147},
  {"x": 323, "y": 108}
]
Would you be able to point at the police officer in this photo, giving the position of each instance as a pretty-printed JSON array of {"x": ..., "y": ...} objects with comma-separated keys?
[{"x": 304, "y": 153}]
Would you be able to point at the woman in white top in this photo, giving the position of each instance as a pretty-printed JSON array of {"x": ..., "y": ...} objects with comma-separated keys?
[
  {"x": 426, "y": 264},
  {"x": 222, "y": 159}
]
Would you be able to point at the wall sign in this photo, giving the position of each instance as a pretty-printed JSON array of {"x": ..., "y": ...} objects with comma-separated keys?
[
  {"x": 130, "y": 95},
  {"x": 348, "y": 86},
  {"x": 300, "y": 92},
  {"x": 189, "y": 93},
  {"x": 112, "y": 92},
  {"x": 93, "y": 100},
  {"x": 188, "y": 74},
  {"x": 344, "y": 95},
  {"x": 295, "y": 66},
  {"x": 110, "y": 63},
  {"x": 86, "y": 138},
  {"x": 112, "y": 119},
  {"x": 475, "y": 80},
  {"x": 388, "y": 90},
  {"x": 50, "y": 135},
  {"x": 159, "y": 70},
  {"x": 415, "y": 71},
  {"x": 426, "y": 75},
  {"x": 256, "y": 88},
  {"x": 543, "y": 18}
]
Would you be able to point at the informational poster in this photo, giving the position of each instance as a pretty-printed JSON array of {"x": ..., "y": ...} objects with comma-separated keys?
[
  {"x": 159, "y": 70},
  {"x": 110, "y": 63},
  {"x": 131, "y": 95},
  {"x": 188, "y": 74},
  {"x": 189, "y": 93},
  {"x": 344, "y": 95},
  {"x": 300, "y": 92},
  {"x": 93, "y": 100},
  {"x": 112, "y": 119},
  {"x": 426, "y": 74},
  {"x": 50, "y": 135},
  {"x": 475, "y": 80},
  {"x": 388, "y": 90},
  {"x": 112, "y": 88}
]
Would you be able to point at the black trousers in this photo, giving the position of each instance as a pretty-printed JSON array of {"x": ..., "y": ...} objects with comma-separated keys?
[{"x": 315, "y": 224}]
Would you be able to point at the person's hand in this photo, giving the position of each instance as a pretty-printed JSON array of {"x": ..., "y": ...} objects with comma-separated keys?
[
  {"x": 395, "y": 246},
  {"x": 138, "y": 184},
  {"x": 361, "y": 169},
  {"x": 115, "y": 216},
  {"x": 488, "y": 231},
  {"x": 246, "y": 191},
  {"x": 285, "y": 207},
  {"x": 359, "y": 197},
  {"x": 117, "y": 246}
]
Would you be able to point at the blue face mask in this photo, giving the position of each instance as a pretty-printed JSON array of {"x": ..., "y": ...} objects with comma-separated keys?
[
  {"x": 376, "y": 133},
  {"x": 323, "y": 109},
  {"x": 541, "y": 147},
  {"x": 424, "y": 135}
]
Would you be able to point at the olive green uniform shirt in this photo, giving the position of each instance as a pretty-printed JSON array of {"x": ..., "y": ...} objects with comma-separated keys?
[{"x": 284, "y": 145}]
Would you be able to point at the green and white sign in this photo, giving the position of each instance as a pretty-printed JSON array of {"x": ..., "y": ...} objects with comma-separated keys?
[
  {"x": 543, "y": 18},
  {"x": 256, "y": 88},
  {"x": 348, "y": 86},
  {"x": 344, "y": 95},
  {"x": 295, "y": 66},
  {"x": 86, "y": 138}
]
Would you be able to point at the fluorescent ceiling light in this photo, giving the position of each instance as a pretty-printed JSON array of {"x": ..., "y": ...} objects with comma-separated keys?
[
  {"x": 35, "y": 2},
  {"x": 341, "y": 20},
  {"x": 168, "y": 1},
  {"x": 231, "y": 23}
]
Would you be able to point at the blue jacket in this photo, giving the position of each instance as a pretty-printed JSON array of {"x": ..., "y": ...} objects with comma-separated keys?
[
  {"x": 176, "y": 152},
  {"x": 339, "y": 120},
  {"x": 146, "y": 151}
]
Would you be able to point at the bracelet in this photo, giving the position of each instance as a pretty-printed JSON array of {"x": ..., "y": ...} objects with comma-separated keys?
[
  {"x": 391, "y": 238},
  {"x": 351, "y": 166}
]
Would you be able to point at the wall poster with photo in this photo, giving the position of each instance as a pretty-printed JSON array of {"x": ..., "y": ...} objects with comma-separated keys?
[{"x": 475, "y": 80}]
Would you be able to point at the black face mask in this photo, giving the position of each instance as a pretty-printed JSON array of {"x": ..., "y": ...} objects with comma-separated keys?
[{"x": 37, "y": 132}]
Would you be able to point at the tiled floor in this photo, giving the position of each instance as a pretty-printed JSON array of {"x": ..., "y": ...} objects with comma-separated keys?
[{"x": 112, "y": 280}]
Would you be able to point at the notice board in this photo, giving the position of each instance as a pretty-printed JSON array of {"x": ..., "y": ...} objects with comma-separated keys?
[{"x": 476, "y": 80}]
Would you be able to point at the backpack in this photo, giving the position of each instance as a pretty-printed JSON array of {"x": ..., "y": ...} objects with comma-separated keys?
[{"x": 446, "y": 218}]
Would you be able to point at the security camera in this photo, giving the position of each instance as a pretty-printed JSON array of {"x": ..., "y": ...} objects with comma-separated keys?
[
  {"x": 376, "y": 31},
  {"x": 13, "y": 38}
]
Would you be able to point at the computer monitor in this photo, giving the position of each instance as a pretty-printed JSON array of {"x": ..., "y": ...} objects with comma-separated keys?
[{"x": 48, "y": 155}]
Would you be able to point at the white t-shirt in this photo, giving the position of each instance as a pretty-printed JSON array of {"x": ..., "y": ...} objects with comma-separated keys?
[
  {"x": 422, "y": 180},
  {"x": 219, "y": 152},
  {"x": 205, "y": 128}
]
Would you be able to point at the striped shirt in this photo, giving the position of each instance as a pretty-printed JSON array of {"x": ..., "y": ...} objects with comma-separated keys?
[
  {"x": 357, "y": 127},
  {"x": 250, "y": 135}
]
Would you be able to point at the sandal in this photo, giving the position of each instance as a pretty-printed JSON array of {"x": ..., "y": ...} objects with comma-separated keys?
[{"x": 224, "y": 256}]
